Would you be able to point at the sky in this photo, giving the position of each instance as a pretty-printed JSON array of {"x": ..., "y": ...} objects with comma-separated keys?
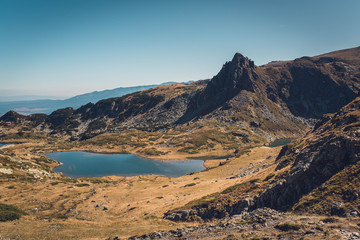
[{"x": 69, "y": 47}]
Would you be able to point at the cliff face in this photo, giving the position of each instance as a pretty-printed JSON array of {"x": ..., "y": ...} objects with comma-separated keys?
[
  {"x": 276, "y": 100},
  {"x": 319, "y": 87}
]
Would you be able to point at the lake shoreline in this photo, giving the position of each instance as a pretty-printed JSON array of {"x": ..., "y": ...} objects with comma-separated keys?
[{"x": 139, "y": 166}]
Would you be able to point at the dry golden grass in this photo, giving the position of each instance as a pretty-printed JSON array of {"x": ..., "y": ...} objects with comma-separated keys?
[{"x": 135, "y": 204}]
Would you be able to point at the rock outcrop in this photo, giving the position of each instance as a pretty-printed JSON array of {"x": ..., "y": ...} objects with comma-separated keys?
[
  {"x": 256, "y": 219},
  {"x": 263, "y": 223}
]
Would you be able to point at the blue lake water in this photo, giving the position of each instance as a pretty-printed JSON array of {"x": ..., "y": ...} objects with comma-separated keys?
[
  {"x": 280, "y": 142},
  {"x": 77, "y": 164},
  {"x": 2, "y": 144}
]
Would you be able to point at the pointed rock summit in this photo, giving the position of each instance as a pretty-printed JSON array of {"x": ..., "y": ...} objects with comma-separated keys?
[
  {"x": 235, "y": 76},
  {"x": 12, "y": 116},
  {"x": 242, "y": 62}
]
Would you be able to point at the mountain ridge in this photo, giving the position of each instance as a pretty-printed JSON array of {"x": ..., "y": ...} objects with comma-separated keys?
[
  {"x": 49, "y": 105},
  {"x": 267, "y": 101}
]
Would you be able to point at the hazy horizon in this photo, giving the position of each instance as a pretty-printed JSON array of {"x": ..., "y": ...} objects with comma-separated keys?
[
  {"x": 66, "y": 48},
  {"x": 10, "y": 95}
]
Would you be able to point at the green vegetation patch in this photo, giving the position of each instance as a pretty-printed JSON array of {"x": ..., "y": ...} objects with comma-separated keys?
[
  {"x": 152, "y": 152},
  {"x": 22, "y": 135},
  {"x": 280, "y": 142},
  {"x": 288, "y": 226},
  {"x": 212, "y": 157},
  {"x": 82, "y": 185},
  {"x": 9, "y": 213},
  {"x": 96, "y": 180},
  {"x": 150, "y": 217},
  {"x": 230, "y": 194},
  {"x": 203, "y": 202},
  {"x": 329, "y": 220},
  {"x": 205, "y": 139},
  {"x": 190, "y": 185},
  {"x": 233, "y": 188}
]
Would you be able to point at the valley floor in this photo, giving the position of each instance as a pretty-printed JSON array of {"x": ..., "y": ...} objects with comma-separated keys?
[
  {"x": 122, "y": 206},
  {"x": 101, "y": 208}
]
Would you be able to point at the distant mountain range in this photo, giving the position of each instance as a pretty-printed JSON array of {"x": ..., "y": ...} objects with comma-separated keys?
[{"x": 47, "y": 105}]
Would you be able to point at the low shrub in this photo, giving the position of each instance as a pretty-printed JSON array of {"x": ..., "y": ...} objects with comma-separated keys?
[
  {"x": 203, "y": 202},
  {"x": 329, "y": 220},
  {"x": 232, "y": 188},
  {"x": 190, "y": 185},
  {"x": 82, "y": 185},
  {"x": 288, "y": 227},
  {"x": 9, "y": 213}
]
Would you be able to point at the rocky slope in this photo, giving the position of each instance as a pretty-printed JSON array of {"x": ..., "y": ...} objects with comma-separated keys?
[
  {"x": 276, "y": 100},
  {"x": 311, "y": 168},
  {"x": 264, "y": 223},
  {"x": 332, "y": 146}
]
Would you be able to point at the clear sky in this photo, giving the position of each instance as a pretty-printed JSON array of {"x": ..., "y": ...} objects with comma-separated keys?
[{"x": 68, "y": 47}]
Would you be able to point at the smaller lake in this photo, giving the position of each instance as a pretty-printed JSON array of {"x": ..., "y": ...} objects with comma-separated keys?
[
  {"x": 77, "y": 164},
  {"x": 2, "y": 144},
  {"x": 280, "y": 142}
]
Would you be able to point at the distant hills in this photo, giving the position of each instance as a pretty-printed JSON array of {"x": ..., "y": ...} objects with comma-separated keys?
[{"x": 47, "y": 105}]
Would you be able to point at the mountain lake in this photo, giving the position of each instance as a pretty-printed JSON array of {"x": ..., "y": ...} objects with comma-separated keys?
[
  {"x": 78, "y": 164},
  {"x": 2, "y": 143},
  {"x": 280, "y": 142}
]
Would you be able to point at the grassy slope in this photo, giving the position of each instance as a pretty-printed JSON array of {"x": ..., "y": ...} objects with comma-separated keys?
[
  {"x": 135, "y": 204},
  {"x": 336, "y": 196}
]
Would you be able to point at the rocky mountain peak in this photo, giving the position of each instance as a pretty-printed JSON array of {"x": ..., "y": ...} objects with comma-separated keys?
[
  {"x": 236, "y": 75},
  {"x": 12, "y": 116},
  {"x": 241, "y": 61}
]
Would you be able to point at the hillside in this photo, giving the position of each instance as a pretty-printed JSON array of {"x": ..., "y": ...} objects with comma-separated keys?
[{"x": 317, "y": 173}]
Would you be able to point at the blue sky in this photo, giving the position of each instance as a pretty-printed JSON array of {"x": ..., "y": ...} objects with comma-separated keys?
[{"x": 68, "y": 47}]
